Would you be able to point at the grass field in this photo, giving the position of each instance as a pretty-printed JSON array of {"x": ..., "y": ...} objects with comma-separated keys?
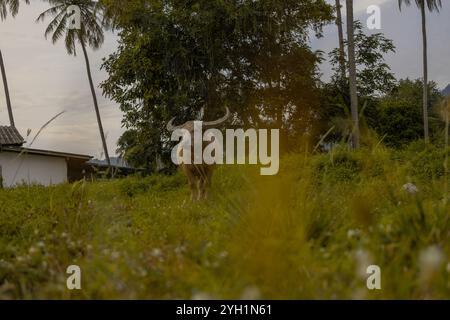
[{"x": 309, "y": 232}]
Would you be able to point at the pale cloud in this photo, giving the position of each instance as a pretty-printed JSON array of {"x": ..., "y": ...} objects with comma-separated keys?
[{"x": 362, "y": 5}]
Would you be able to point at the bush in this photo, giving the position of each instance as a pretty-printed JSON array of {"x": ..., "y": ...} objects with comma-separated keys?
[
  {"x": 425, "y": 161},
  {"x": 344, "y": 165},
  {"x": 399, "y": 122},
  {"x": 134, "y": 186},
  {"x": 340, "y": 165}
]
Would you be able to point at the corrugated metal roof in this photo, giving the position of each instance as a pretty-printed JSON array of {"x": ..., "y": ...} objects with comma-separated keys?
[
  {"x": 9, "y": 136},
  {"x": 26, "y": 151}
]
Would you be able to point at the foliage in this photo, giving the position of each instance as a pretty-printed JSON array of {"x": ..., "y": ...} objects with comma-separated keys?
[
  {"x": 432, "y": 5},
  {"x": 426, "y": 161},
  {"x": 374, "y": 76},
  {"x": 93, "y": 23},
  {"x": 305, "y": 234},
  {"x": 396, "y": 116},
  {"x": 399, "y": 118},
  {"x": 10, "y": 5},
  {"x": 374, "y": 80},
  {"x": 176, "y": 58}
]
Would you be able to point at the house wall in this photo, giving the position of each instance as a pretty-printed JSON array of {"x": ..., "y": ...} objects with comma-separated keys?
[{"x": 32, "y": 169}]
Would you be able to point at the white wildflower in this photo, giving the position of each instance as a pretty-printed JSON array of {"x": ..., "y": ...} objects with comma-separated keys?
[
  {"x": 352, "y": 233},
  {"x": 115, "y": 255},
  {"x": 251, "y": 293},
  {"x": 430, "y": 260},
  {"x": 202, "y": 296},
  {"x": 363, "y": 260},
  {"x": 410, "y": 188},
  {"x": 223, "y": 254},
  {"x": 157, "y": 253}
]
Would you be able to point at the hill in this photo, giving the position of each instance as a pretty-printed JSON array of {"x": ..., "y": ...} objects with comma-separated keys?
[{"x": 446, "y": 91}]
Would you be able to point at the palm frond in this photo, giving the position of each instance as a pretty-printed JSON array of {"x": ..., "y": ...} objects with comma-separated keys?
[
  {"x": 93, "y": 23},
  {"x": 10, "y": 5},
  {"x": 432, "y": 5}
]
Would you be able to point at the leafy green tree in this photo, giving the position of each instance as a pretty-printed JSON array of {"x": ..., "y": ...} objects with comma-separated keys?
[
  {"x": 90, "y": 35},
  {"x": 374, "y": 76},
  {"x": 399, "y": 116},
  {"x": 176, "y": 58},
  {"x": 431, "y": 5}
]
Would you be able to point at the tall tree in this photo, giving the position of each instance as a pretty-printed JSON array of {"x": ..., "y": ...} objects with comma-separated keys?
[
  {"x": 423, "y": 5},
  {"x": 91, "y": 34},
  {"x": 178, "y": 56},
  {"x": 341, "y": 39},
  {"x": 12, "y": 6},
  {"x": 352, "y": 74},
  {"x": 373, "y": 75},
  {"x": 5, "y": 85}
]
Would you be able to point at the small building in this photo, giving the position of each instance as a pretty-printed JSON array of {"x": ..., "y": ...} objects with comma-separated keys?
[
  {"x": 119, "y": 167},
  {"x": 21, "y": 165}
]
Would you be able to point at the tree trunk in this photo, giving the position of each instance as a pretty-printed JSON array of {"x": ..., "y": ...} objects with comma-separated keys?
[
  {"x": 446, "y": 125},
  {"x": 97, "y": 111},
  {"x": 341, "y": 39},
  {"x": 352, "y": 75},
  {"x": 5, "y": 85},
  {"x": 425, "y": 73}
]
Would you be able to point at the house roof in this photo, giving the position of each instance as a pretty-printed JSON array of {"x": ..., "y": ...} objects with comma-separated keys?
[
  {"x": 47, "y": 153},
  {"x": 9, "y": 136},
  {"x": 116, "y": 162}
]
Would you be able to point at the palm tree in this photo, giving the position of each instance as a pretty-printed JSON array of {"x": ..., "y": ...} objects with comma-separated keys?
[
  {"x": 341, "y": 38},
  {"x": 13, "y": 6},
  {"x": 422, "y": 5},
  {"x": 91, "y": 34},
  {"x": 352, "y": 74}
]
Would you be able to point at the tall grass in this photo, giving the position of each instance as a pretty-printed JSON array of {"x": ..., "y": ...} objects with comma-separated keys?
[{"x": 309, "y": 232}]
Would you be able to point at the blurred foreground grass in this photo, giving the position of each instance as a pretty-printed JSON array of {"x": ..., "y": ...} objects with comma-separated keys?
[{"x": 309, "y": 232}]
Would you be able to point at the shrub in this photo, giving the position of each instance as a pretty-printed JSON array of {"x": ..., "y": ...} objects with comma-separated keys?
[
  {"x": 340, "y": 165},
  {"x": 425, "y": 161}
]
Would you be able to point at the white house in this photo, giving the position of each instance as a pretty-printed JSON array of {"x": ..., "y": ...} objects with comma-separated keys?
[{"x": 19, "y": 165}]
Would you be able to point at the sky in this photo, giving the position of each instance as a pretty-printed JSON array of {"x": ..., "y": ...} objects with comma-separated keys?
[
  {"x": 44, "y": 80},
  {"x": 404, "y": 28}
]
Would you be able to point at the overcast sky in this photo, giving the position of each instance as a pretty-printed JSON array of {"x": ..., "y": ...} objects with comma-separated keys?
[
  {"x": 44, "y": 80},
  {"x": 404, "y": 27}
]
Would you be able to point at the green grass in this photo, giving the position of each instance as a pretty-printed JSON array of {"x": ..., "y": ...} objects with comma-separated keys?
[{"x": 309, "y": 232}]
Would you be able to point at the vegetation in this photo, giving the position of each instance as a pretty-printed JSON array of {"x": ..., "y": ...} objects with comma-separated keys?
[
  {"x": 423, "y": 5},
  {"x": 308, "y": 233},
  {"x": 179, "y": 58},
  {"x": 11, "y": 6},
  {"x": 374, "y": 194}
]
